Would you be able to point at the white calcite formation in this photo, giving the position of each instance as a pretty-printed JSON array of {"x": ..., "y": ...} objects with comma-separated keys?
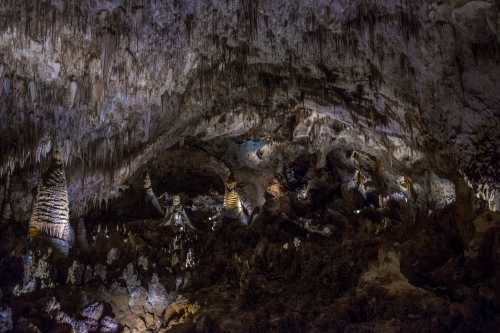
[
  {"x": 158, "y": 298},
  {"x": 37, "y": 273},
  {"x": 112, "y": 256},
  {"x": 75, "y": 274},
  {"x": 177, "y": 217},
  {"x": 151, "y": 196}
]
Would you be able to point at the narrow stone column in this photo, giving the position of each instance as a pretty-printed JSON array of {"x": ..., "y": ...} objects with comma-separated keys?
[{"x": 151, "y": 196}]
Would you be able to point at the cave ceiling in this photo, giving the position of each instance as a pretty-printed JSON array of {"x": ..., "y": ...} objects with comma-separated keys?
[{"x": 117, "y": 83}]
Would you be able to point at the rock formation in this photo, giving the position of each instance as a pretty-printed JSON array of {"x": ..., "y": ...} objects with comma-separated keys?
[{"x": 357, "y": 141}]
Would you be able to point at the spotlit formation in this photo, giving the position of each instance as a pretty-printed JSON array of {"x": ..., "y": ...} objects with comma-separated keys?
[
  {"x": 177, "y": 215},
  {"x": 150, "y": 194},
  {"x": 275, "y": 189},
  {"x": 50, "y": 216},
  {"x": 232, "y": 203}
]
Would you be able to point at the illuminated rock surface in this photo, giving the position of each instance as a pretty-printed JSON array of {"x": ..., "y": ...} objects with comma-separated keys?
[{"x": 362, "y": 135}]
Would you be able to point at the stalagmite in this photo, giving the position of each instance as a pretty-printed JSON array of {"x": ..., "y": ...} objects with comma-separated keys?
[
  {"x": 50, "y": 216},
  {"x": 275, "y": 190},
  {"x": 303, "y": 192},
  {"x": 358, "y": 183},
  {"x": 182, "y": 238},
  {"x": 406, "y": 183},
  {"x": 150, "y": 194},
  {"x": 494, "y": 200},
  {"x": 178, "y": 216},
  {"x": 232, "y": 203}
]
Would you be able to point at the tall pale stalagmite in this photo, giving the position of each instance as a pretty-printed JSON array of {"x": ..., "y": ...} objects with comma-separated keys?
[{"x": 150, "y": 194}]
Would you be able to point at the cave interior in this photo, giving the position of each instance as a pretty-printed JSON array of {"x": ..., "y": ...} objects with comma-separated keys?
[{"x": 249, "y": 166}]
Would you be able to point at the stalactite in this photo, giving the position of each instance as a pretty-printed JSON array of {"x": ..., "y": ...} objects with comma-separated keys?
[
  {"x": 408, "y": 21},
  {"x": 189, "y": 25},
  {"x": 81, "y": 234},
  {"x": 250, "y": 18},
  {"x": 4, "y": 209}
]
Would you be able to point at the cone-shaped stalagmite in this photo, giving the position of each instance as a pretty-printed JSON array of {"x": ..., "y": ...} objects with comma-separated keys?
[
  {"x": 50, "y": 216},
  {"x": 150, "y": 194},
  {"x": 232, "y": 202}
]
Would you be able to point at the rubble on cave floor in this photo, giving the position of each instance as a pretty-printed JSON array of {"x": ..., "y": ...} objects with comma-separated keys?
[{"x": 269, "y": 276}]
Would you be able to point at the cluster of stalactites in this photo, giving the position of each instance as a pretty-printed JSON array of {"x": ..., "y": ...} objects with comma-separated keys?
[
  {"x": 177, "y": 217},
  {"x": 50, "y": 216},
  {"x": 486, "y": 192}
]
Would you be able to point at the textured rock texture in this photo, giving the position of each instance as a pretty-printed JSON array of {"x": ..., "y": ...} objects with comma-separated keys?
[
  {"x": 117, "y": 82},
  {"x": 362, "y": 136}
]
